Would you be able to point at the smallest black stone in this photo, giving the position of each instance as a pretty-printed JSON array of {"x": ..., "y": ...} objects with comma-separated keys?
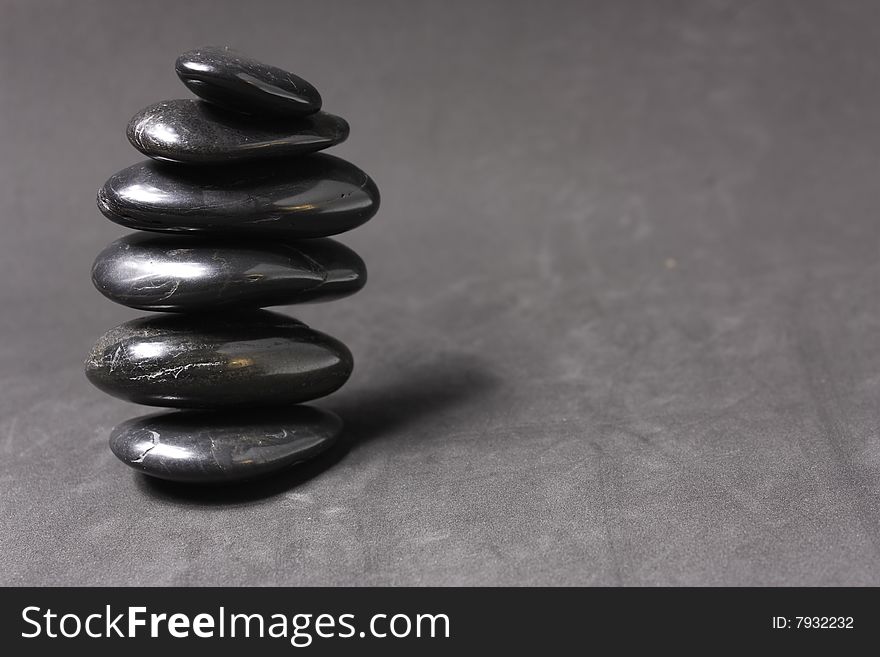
[{"x": 236, "y": 82}]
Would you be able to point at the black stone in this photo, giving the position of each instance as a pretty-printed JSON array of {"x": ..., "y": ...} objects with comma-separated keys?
[
  {"x": 195, "y": 132},
  {"x": 255, "y": 358},
  {"x": 180, "y": 273},
  {"x": 232, "y": 80},
  {"x": 217, "y": 447},
  {"x": 313, "y": 196}
]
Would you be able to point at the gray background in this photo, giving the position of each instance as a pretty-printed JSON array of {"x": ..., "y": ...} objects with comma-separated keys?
[{"x": 622, "y": 320}]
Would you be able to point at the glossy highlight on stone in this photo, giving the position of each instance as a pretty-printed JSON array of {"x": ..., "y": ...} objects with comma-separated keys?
[
  {"x": 232, "y": 80},
  {"x": 223, "y": 447},
  {"x": 312, "y": 196},
  {"x": 194, "y": 132},
  {"x": 181, "y": 273},
  {"x": 255, "y": 358}
]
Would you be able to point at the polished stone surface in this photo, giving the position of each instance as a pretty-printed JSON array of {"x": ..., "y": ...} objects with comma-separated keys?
[
  {"x": 312, "y": 196},
  {"x": 195, "y": 132},
  {"x": 237, "y": 82},
  {"x": 187, "y": 273},
  {"x": 223, "y": 447},
  {"x": 255, "y": 358}
]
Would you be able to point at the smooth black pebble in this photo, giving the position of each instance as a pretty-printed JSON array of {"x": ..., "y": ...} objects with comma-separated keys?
[
  {"x": 195, "y": 132},
  {"x": 232, "y": 80},
  {"x": 312, "y": 196},
  {"x": 240, "y": 359},
  {"x": 223, "y": 447},
  {"x": 179, "y": 273}
]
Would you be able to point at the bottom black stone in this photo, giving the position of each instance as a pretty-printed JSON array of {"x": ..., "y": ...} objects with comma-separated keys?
[{"x": 223, "y": 447}]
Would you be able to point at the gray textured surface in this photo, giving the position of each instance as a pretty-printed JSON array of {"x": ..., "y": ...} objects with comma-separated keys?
[{"x": 622, "y": 318}]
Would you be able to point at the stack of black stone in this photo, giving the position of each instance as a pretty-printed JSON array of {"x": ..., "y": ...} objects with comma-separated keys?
[{"x": 245, "y": 207}]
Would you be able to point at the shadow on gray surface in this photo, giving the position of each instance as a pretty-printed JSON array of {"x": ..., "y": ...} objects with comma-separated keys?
[{"x": 414, "y": 395}]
